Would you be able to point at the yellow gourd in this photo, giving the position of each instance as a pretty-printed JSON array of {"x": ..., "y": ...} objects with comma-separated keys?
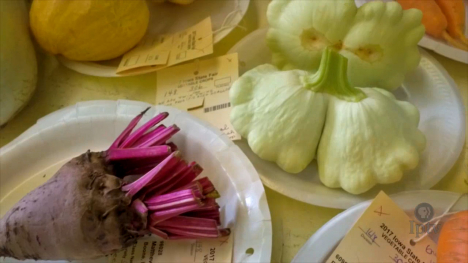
[{"x": 89, "y": 30}]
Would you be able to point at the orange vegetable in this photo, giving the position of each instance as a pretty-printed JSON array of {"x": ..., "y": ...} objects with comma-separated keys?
[
  {"x": 454, "y": 11},
  {"x": 433, "y": 20},
  {"x": 453, "y": 239}
]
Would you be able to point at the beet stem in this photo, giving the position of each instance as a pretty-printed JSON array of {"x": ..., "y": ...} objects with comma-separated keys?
[
  {"x": 156, "y": 173},
  {"x": 160, "y": 138},
  {"x": 149, "y": 135},
  {"x": 138, "y": 153},
  {"x": 138, "y": 133},
  {"x": 128, "y": 129}
]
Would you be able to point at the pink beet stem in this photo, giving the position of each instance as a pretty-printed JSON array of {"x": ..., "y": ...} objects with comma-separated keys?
[
  {"x": 208, "y": 204},
  {"x": 173, "y": 146},
  {"x": 206, "y": 184},
  {"x": 179, "y": 170},
  {"x": 149, "y": 135},
  {"x": 137, "y": 153},
  {"x": 159, "y": 216},
  {"x": 158, "y": 232},
  {"x": 139, "y": 206},
  {"x": 197, "y": 188},
  {"x": 193, "y": 172},
  {"x": 175, "y": 204},
  {"x": 156, "y": 173},
  {"x": 138, "y": 133},
  {"x": 173, "y": 200},
  {"x": 161, "y": 137},
  {"x": 128, "y": 130},
  {"x": 192, "y": 233},
  {"x": 186, "y": 180},
  {"x": 210, "y": 214},
  {"x": 190, "y": 223}
]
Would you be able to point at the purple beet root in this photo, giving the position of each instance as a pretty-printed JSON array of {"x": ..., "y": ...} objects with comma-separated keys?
[{"x": 101, "y": 202}]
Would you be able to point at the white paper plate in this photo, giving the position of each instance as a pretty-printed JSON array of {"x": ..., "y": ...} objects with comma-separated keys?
[
  {"x": 429, "y": 87},
  {"x": 319, "y": 247},
  {"x": 439, "y": 46},
  {"x": 31, "y": 159},
  {"x": 170, "y": 18}
]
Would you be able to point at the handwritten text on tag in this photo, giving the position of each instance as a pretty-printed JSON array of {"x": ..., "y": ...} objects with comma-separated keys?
[
  {"x": 383, "y": 234},
  {"x": 202, "y": 88},
  {"x": 158, "y": 52}
]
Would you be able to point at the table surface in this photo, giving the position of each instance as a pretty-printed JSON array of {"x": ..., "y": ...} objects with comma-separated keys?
[{"x": 293, "y": 221}]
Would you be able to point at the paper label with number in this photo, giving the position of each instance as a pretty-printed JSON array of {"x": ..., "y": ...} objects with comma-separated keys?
[
  {"x": 383, "y": 234},
  {"x": 158, "y": 52},
  {"x": 153, "y": 249},
  {"x": 202, "y": 88}
]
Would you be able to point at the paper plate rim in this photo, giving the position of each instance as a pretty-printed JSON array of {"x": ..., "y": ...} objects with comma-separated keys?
[
  {"x": 100, "y": 70},
  {"x": 343, "y": 203},
  {"x": 353, "y": 214},
  {"x": 101, "y": 108}
]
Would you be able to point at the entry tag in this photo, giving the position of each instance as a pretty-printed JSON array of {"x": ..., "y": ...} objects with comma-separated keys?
[
  {"x": 383, "y": 234},
  {"x": 153, "y": 249},
  {"x": 201, "y": 88},
  {"x": 162, "y": 51}
]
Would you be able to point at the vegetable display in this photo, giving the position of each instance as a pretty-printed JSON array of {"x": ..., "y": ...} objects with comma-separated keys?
[
  {"x": 443, "y": 19},
  {"x": 360, "y": 136},
  {"x": 453, "y": 239},
  {"x": 18, "y": 64},
  {"x": 101, "y": 202},
  {"x": 379, "y": 39},
  {"x": 89, "y": 30}
]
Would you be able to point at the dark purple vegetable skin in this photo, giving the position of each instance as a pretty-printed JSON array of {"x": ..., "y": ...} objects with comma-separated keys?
[
  {"x": 86, "y": 211},
  {"x": 80, "y": 213}
]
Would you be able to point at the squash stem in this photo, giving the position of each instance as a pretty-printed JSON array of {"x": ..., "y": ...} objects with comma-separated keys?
[{"x": 332, "y": 78}]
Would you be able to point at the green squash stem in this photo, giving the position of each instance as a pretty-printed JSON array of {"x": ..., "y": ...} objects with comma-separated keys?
[{"x": 332, "y": 78}]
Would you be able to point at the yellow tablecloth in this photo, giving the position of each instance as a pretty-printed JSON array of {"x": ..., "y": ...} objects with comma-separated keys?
[{"x": 293, "y": 221}]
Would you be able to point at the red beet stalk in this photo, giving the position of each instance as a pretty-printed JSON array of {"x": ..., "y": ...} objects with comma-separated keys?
[{"x": 164, "y": 187}]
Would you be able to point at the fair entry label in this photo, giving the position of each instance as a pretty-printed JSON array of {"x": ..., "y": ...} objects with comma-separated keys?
[
  {"x": 158, "y": 52},
  {"x": 383, "y": 234},
  {"x": 201, "y": 88},
  {"x": 154, "y": 249}
]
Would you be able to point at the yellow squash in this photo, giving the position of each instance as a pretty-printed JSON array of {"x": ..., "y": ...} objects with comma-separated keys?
[{"x": 89, "y": 30}]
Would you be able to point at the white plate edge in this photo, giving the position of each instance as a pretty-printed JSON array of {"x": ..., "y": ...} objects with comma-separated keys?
[
  {"x": 310, "y": 197},
  {"x": 359, "y": 209},
  {"x": 266, "y": 224},
  {"x": 89, "y": 68}
]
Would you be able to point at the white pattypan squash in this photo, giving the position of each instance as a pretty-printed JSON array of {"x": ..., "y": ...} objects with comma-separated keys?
[
  {"x": 368, "y": 143},
  {"x": 281, "y": 118},
  {"x": 379, "y": 39},
  {"x": 361, "y": 136},
  {"x": 18, "y": 64}
]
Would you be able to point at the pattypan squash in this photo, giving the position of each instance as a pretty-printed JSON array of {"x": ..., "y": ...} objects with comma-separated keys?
[
  {"x": 360, "y": 137},
  {"x": 379, "y": 38}
]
